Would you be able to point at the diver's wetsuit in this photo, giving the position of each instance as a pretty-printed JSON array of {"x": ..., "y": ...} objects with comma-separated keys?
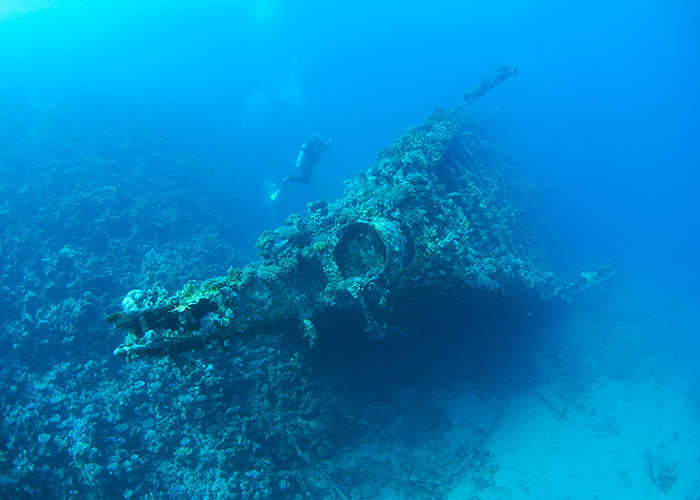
[{"x": 309, "y": 156}]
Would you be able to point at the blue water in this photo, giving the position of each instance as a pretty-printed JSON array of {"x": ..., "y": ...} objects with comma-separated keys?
[{"x": 139, "y": 142}]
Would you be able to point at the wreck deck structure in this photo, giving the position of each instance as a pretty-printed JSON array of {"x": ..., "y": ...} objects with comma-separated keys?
[{"x": 440, "y": 223}]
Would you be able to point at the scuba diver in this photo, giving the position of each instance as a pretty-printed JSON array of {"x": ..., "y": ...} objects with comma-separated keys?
[{"x": 309, "y": 155}]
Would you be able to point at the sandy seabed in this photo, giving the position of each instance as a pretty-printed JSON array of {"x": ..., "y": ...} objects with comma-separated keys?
[{"x": 614, "y": 414}]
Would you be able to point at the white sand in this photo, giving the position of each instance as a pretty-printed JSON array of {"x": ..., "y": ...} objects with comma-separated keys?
[{"x": 598, "y": 439}]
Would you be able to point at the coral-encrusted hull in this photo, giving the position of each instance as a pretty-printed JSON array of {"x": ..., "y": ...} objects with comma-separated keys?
[{"x": 440, "y": 223}]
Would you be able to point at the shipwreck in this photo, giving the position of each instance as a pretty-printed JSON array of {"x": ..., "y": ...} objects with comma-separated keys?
[{"x": 439, "y": 223}]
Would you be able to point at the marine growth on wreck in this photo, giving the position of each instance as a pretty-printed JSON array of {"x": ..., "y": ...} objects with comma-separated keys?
[{"x": 439, "y": 223}]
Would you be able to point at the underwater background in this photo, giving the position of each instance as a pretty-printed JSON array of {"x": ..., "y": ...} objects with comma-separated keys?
[{"x": 139, "y": 143}]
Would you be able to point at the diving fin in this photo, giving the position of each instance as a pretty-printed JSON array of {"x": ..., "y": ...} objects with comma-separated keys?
[{"x": 276, "y": 193}]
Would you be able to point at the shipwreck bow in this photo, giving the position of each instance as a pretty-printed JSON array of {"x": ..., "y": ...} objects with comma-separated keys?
[{"x": 439, "y": 223}]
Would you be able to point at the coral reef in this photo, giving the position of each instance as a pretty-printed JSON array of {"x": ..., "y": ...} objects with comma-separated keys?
[{"x": 439, "y": 229}]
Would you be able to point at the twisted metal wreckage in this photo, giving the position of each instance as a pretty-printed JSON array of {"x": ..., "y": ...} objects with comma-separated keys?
[{"x": 438, "y": 224}]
